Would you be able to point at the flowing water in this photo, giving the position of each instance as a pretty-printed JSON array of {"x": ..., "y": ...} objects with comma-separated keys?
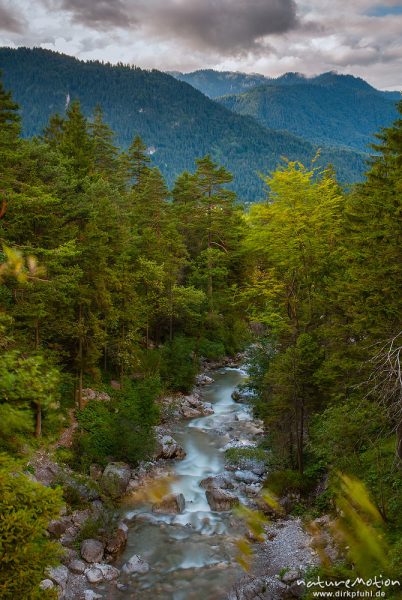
[{"x": 191, "y": 555}]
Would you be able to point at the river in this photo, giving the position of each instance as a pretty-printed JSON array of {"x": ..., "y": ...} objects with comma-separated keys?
[{"x": 191, "y": 555}]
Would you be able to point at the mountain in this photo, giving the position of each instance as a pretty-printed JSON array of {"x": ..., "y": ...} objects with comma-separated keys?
[
  {"x": 222, "y": 83},
  {"x": 330, "y": 109},
  {"x": 338, "y": 113},
  {"x": 176, "y": 121}
]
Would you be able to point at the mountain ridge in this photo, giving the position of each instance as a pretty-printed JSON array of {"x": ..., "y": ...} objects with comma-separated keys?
[{"x": 176, "y": 120}]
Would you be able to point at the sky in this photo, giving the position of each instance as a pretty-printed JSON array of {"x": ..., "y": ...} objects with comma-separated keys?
[{"x": 361, "y": 37}]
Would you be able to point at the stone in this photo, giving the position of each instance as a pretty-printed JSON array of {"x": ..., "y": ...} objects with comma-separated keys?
[
  {"x": 203, "y": 379},
  {"x": 76, "y": 584},
  {"x": 95, "y": 472},
  {"x": 80, "y": 516},
  {"x": 91, "y": 595},
  {"x": 58, "y": 575},
  {"x": 190, "y": 413},
  {"x": 94, "y": 575},
  {"x": 290, "y": 576},
  {"x": 115, "y": 479},
  {"x": 117, "y": 542},
  {"x": 220, "y": 481},
  {"x": 57, "y": 527},
  {"x": 146, "y": 518},
  {"x": 46, "y": 584},
  {"x": 221, "y": 500},
  {"x": 296, "y": 590},
  {"x": 246, "y": 477},
  {"x": 68, "y": 538},
  {"x": 116, "y": 385},
  {"x": 172, "y": 503},
  {"x": 77, "y": 566},
  {"x": 136, "y": 564},
  {"x": 169, "y": 448},
  {"x": 90, "y": 394},
  {"x": 92, "y": 551},
  {"x": 109, "y": 572}
]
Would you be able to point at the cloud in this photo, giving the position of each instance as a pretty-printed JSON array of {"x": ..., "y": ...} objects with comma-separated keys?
[
  {"x": 100, "y": 14},
  {"x": 9, "y": 20},
  {"x": 229, "y": 26}
]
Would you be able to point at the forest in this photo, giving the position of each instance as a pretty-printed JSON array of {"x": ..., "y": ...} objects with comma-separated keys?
[
  {"x": 107, "y": 275},
  {"x": 176, "y": 122}
]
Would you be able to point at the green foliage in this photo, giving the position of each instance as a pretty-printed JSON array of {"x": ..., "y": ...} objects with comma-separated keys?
[
  {"x": 25, "y": 550},
  {"x": 28, "y": 388},
  {"x": 239, "y": 455},
  {"x": 176, "y": 122},
  {"x": 333, "y": 111},
  {"x": 281, "y": 483},
  {"x": 180, "y": 365},
  {"x": 211, "y": 349},
  {"x": 120, "y": 429}
]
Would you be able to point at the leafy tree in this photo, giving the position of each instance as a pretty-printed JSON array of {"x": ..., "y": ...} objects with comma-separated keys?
[{"x": 26, "y": 507}]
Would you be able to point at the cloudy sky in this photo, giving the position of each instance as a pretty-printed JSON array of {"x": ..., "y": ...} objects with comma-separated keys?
[{"x": 362, "y": 37}]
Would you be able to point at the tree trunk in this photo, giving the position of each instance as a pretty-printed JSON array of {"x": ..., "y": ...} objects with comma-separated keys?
[
  {"x": 38, "y": 424},
  {"x": 80, "y": 360}
]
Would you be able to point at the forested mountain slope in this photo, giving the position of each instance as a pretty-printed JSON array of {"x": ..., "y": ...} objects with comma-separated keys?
[
  {"x": 331, "y": 109},
  {"x": 221, "y": 83},
  {"x": 177, "y": 122}
]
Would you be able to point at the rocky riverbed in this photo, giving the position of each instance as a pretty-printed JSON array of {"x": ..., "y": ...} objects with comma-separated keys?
[{"x": 182, "y": 544}]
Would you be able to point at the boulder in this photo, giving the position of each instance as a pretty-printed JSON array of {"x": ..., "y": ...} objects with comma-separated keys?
[
  {"x": 115, "y": 479},
  {"x": 220, "y": 481},
  {"x": 68, "y": 538},
  {"x": 76, "y": 586},
  {"x": 89, "y": 394},
  {"x": 46, "y": 584},
  {"x": 57, "y": 527},
  {"x": 242, "y": 395},
  {"x": 169, "y": 448},
  {"x": 117, "y": 542},
  {"x": 172, "y": 503},
  {"x": 290, "y": 576},
  {"x": 77, "y": 566},
  {"x": 136, "y": 564},
  {"x": 296, "y": 590},
  {"x": 91, "y": 595},
  {"x": 246, "y": 477},
  {"x": 79, "y": 517},
  {"x": 92, "y": 551},
  {"x": 190, "y": 413},
  {"x": 221, "y": 500},
  {"x": 95, "y": 472},
  {"x": 94, "y": 575},
  {"x": 203, "y": 379},
  {"x": 109, "y": 572},
  {"x": 58, "y": 575}
]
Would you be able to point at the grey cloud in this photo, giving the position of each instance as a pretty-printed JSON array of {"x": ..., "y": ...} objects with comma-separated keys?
[
  {"x": 228, "y": 26},
  {"x": 100, "y": 14},
  {"x": 9, "y": 20}
]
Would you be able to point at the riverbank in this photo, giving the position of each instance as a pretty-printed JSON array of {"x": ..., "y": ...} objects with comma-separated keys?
[{"x": 175, "y": 549}]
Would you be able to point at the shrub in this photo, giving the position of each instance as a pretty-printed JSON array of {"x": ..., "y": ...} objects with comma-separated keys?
[
  {"x": 120, "y": 429},
  {"x": 179, "y": 366},
  {"x": 26, "y": 508}
]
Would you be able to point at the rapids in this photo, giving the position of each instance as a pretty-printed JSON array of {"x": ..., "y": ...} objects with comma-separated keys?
[{"x": 192, "y": 555}]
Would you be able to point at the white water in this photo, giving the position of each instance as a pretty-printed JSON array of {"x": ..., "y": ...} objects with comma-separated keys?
[{"x": 191, "y": 555}]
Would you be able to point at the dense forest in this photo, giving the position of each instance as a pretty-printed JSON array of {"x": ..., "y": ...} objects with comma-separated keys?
[
  {"x": 337, "y": 111},
  {"x": 176, "y": 122},
  {"x": 108, "y": 276}
]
